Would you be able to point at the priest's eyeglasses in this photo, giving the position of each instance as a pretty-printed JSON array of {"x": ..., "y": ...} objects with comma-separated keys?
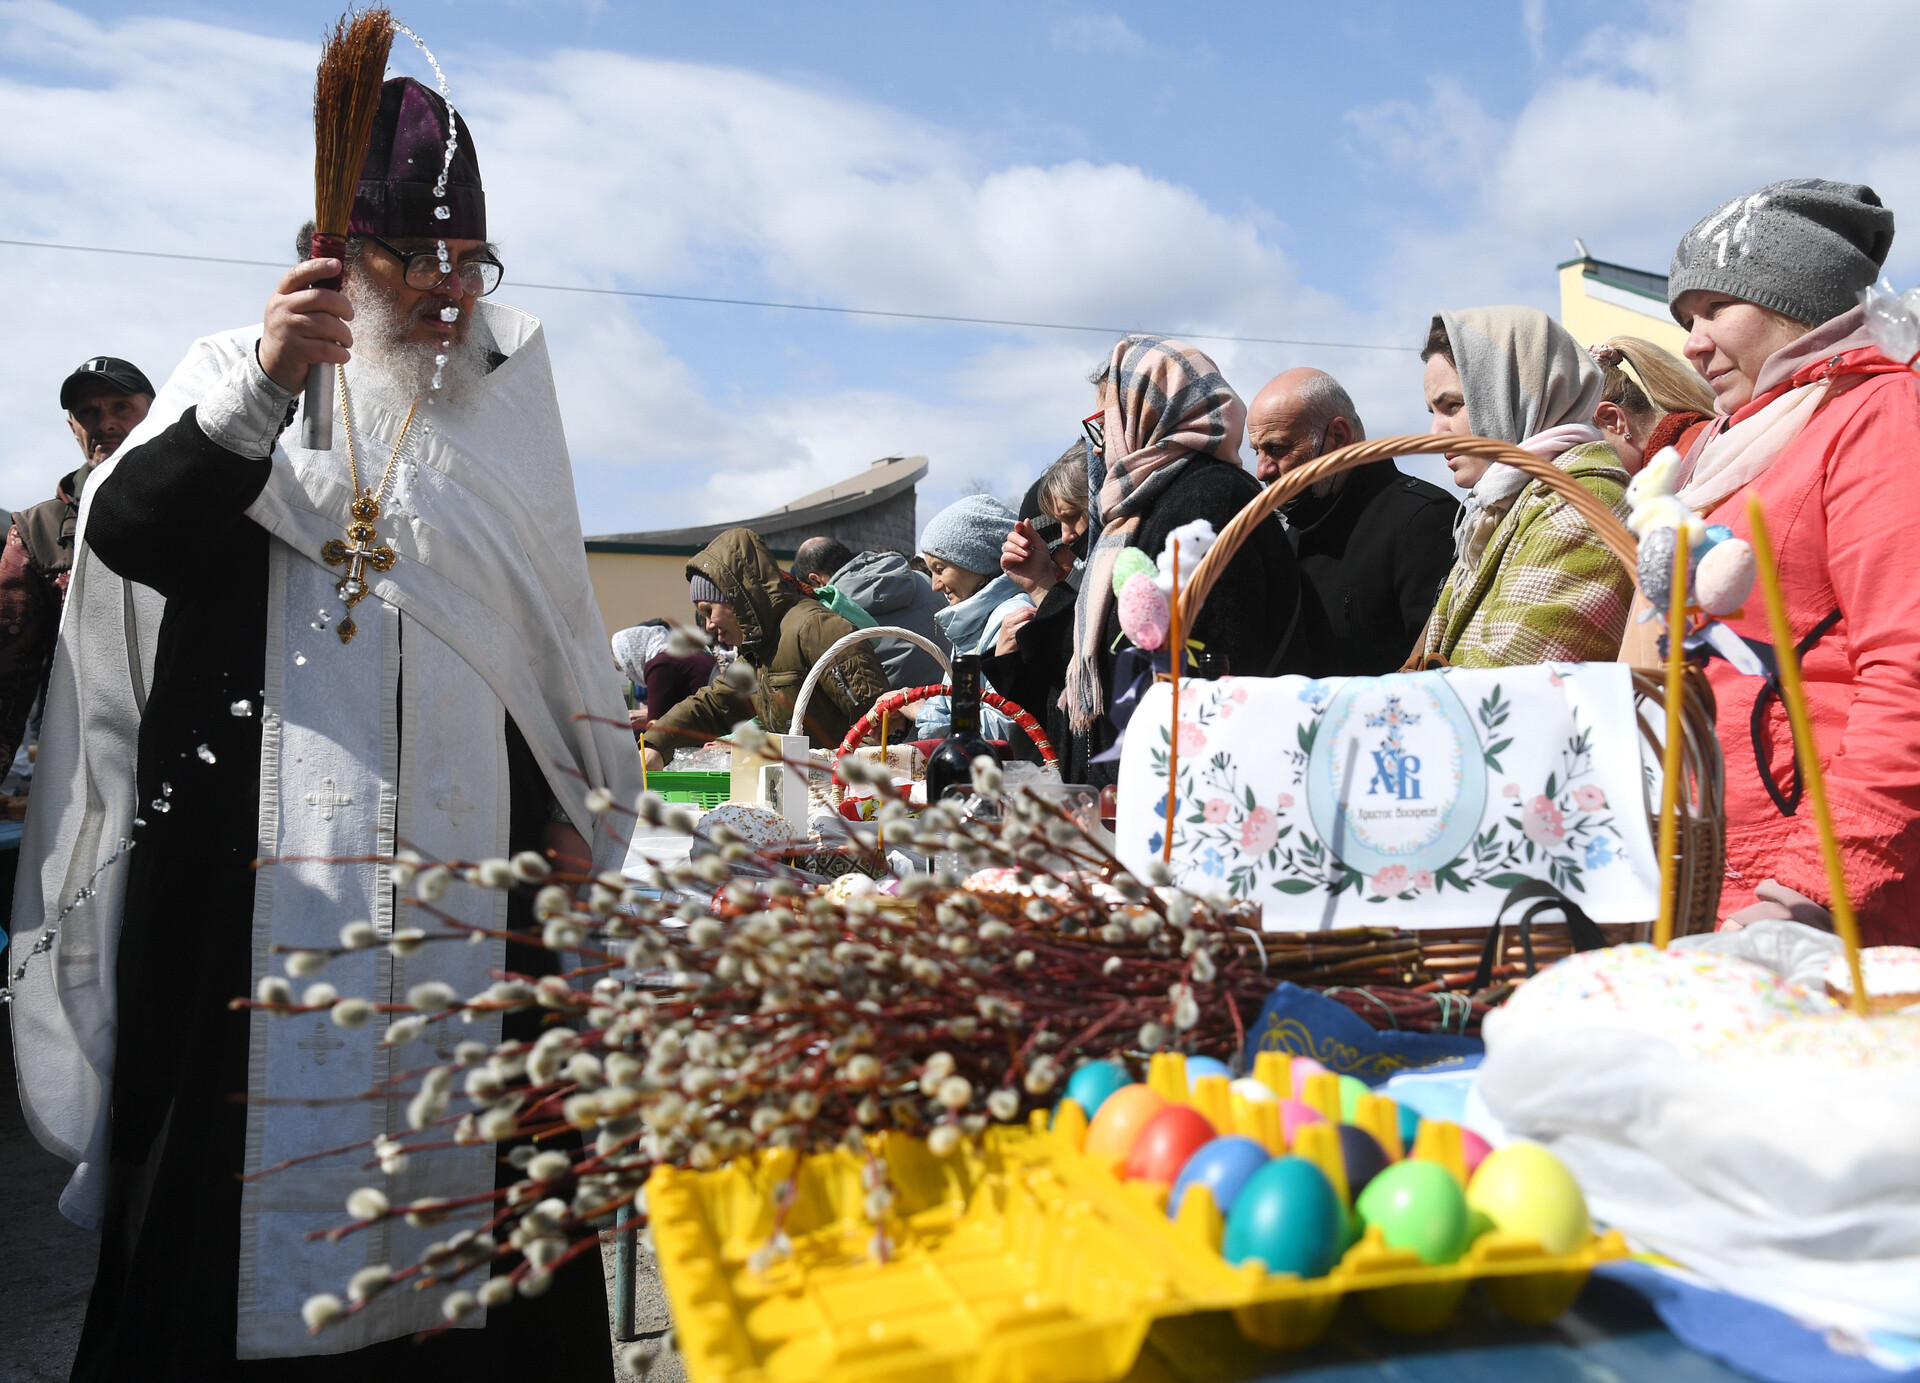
[{"x": 421, "y": 269}]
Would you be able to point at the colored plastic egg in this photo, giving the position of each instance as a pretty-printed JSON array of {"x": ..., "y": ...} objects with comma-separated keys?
[
  {"x": 1122, "y": 1116},
  {"x": 1351, "y": 1089},
  {"x": 1362, "y": 1156},
  {"x": 1418, "y": 1206},
  {"x": 1473, "y": 1149},
  {"x": 1131, "y": 561},
  {"x": 1223, "y": 1167},
  {"x": 1287, "y": 1217},
  {"x": 1089, "y": 1086},
  {"x": 1198, "y": 1066},
  {"x": 1172, "y": 1136},
  {"x": 1299, "y": 1069},
  {"x": 1524, "y": 1189},
  {"x": 1725, "y": 577},
  {"x": 1409, "y": 1125},
  {"x": 1253, "y": 1091},
  {"x": 1145, "y": 615},
  {"x": 1295, "y": 1115}
]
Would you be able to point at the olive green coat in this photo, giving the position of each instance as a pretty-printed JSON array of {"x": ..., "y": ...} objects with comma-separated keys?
[
  {"x": 1546, "y": 589},
  {"x": 783, "y": 634}
]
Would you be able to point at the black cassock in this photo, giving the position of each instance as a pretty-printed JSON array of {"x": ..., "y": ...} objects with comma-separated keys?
[{"x": 165, "y": 1297}]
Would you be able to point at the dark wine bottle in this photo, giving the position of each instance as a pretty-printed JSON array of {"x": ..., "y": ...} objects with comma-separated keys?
[{"x": 952, "y": 763}]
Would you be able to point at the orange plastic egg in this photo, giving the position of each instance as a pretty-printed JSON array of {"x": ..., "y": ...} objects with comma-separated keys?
[{"x": 1121, "y": 1117}]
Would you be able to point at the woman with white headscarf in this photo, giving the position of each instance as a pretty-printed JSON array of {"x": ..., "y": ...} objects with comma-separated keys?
[
  {"x": 1531, "y": 582},
  {"x": 663, "y": 679}
]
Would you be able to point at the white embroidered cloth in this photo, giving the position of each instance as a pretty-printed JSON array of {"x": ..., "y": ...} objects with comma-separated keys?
[{"x": 1413, "y": 800}]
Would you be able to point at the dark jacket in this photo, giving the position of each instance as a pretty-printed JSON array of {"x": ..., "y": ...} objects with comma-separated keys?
[
  {"x": 1243, "y": 625},
  {"x": 882, "y": 584},
  {"x": 783, "y": 634},
  {"x": 1372, "y": 556},
  {"x": 35, "y": 567}
]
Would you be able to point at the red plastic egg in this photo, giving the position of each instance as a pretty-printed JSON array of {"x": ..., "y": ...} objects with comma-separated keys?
[{"x": 1164, "y": 1145}]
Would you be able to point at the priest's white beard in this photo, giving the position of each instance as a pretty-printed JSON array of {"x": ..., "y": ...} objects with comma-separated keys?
[{"x": 396, "y": 370}]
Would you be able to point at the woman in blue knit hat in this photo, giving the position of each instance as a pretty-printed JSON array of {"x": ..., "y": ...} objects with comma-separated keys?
[{"x": 962, "y": 551}]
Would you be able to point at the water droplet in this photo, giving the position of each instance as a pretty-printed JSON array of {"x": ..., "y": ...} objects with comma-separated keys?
[
  {"x": 299, "y": 660},
  {"x": 242, "y": 707},
  {"x": 442, "y": 359},
  {"x": 440, "y": 213},
  {"x": 166, "y": 789},
  {"x": 449, "y": 314},
  {"x": 141, "y": 820},
  {"x": 206, "y": 754},
  {"x": 161, "y": 806}
]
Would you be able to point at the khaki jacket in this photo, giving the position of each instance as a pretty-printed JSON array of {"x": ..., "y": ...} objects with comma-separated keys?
[{"x": 783, "y": 634}]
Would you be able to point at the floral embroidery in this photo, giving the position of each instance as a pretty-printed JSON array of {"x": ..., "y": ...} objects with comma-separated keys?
[{"x": 1557, "y": 825}]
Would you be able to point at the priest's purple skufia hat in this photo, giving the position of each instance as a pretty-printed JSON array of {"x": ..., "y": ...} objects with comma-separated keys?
[{"x": 405, "y": 154}]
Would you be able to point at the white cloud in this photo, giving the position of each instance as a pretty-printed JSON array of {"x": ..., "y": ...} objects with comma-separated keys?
[
  {"x": 1641, "y": 130},
  {"x": 610, "y": 170},
  {"x": 1097, "y": 33}
]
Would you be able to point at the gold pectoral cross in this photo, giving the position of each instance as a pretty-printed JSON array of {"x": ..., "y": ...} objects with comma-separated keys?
[{"x": 364, "y": 553}]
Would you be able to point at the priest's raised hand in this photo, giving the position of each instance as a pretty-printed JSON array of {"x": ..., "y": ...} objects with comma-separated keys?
[{"x": 305, "y": 324}]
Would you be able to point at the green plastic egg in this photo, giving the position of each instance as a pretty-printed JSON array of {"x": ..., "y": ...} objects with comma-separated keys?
[
  {"x": 1417, "y": 1205},
  {"x": 1131, "y": 560},
  {"x": 1351, "y": 1089}
]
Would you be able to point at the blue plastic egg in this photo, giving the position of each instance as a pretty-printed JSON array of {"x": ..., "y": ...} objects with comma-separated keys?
[
  {"x": 1409, "y": 1124},
  {"x": 1198, "y": 1066},
  {"x": 1716, "y": 534},
  {"x": 1222, "y": 1166},
  {"x": 1288, "y": 1218},
  {"x": 1091, "y": 1084}
]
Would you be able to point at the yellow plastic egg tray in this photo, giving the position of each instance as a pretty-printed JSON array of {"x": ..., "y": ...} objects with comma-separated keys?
[{"x": 1023, "y": 1258}]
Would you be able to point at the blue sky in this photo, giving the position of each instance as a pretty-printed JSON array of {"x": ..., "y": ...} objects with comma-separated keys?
[{"x": 1304, "y": 171}]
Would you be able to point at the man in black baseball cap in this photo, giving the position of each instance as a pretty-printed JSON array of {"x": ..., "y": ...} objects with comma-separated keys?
[{"x": 105, "y": 398}]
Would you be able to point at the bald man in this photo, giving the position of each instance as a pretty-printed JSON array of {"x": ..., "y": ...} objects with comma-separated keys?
[{"x": 1374, "y": 544}]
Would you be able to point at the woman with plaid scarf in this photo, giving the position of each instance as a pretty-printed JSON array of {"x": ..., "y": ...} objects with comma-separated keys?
[
  {"x": 1164, "y": 450},
  {"x": 1531, "y": 582}
]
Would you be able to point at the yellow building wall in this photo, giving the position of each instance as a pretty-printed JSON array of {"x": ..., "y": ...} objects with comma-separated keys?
[
  {"x": 633, "y": 587},
  {"x": 1592, "y": 321}
]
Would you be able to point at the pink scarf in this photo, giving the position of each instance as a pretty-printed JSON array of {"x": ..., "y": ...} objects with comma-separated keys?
[{"x": 1167, "y": 408}]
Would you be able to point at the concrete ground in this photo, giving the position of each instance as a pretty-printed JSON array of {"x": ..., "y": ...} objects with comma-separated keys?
[{"x": 46, "y": 1262}]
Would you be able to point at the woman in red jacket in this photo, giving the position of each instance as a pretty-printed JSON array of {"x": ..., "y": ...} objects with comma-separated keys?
[{"x": 1825, "y": 432}]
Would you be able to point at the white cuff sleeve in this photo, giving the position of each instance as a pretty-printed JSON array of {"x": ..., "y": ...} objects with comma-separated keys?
[{"x": 246, "y": 412}]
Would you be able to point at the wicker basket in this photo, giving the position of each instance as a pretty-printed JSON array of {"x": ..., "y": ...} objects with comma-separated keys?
[{"x": 1703, "y": 827}]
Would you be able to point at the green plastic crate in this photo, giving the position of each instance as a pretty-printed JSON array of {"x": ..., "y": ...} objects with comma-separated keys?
[{"x": 695, "y": 789}]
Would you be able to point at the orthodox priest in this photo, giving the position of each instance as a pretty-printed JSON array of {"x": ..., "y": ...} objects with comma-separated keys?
[{"x": 277, "y": 653}]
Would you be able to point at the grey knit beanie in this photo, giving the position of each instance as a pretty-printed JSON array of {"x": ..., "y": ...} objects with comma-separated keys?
[
  {"x": 1804, "y": 246},
  {"x": 702, "y": 588},
  {"x": 970, "y": 533}
]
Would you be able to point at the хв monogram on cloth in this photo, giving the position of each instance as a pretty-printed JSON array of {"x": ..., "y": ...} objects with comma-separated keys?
[{"x": 364, "y": 510}]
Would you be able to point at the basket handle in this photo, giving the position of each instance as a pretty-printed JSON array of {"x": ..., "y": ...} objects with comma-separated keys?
[
  {"x": 1618, "y": 538},
  {"x": 894, "y": 700},
  {"x": 878, "y": 631}
]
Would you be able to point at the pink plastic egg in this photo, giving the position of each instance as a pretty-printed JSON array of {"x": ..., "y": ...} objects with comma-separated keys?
[
  {"x": 1299, "y": 1069},
  {"x": 1144, "y": 614},
  {"x": 1296, "y": 1115},
  {"x": 1473, "y": 1149}
]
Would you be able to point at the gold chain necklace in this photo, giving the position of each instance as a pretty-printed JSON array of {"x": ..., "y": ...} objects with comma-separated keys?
[{"x": 364, "y": 552}]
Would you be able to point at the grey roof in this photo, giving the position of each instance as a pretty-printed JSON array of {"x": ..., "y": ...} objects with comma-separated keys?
[
  {"x": 1643, "y": 282},
  {"x": 880, "y": 482}
]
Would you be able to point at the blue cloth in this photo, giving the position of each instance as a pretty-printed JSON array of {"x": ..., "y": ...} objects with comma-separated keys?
[
  {"x": 1754, "y": 1338},
  {"x": 1301, "y": 1022},
  {"x": 969, "y": 533}
]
